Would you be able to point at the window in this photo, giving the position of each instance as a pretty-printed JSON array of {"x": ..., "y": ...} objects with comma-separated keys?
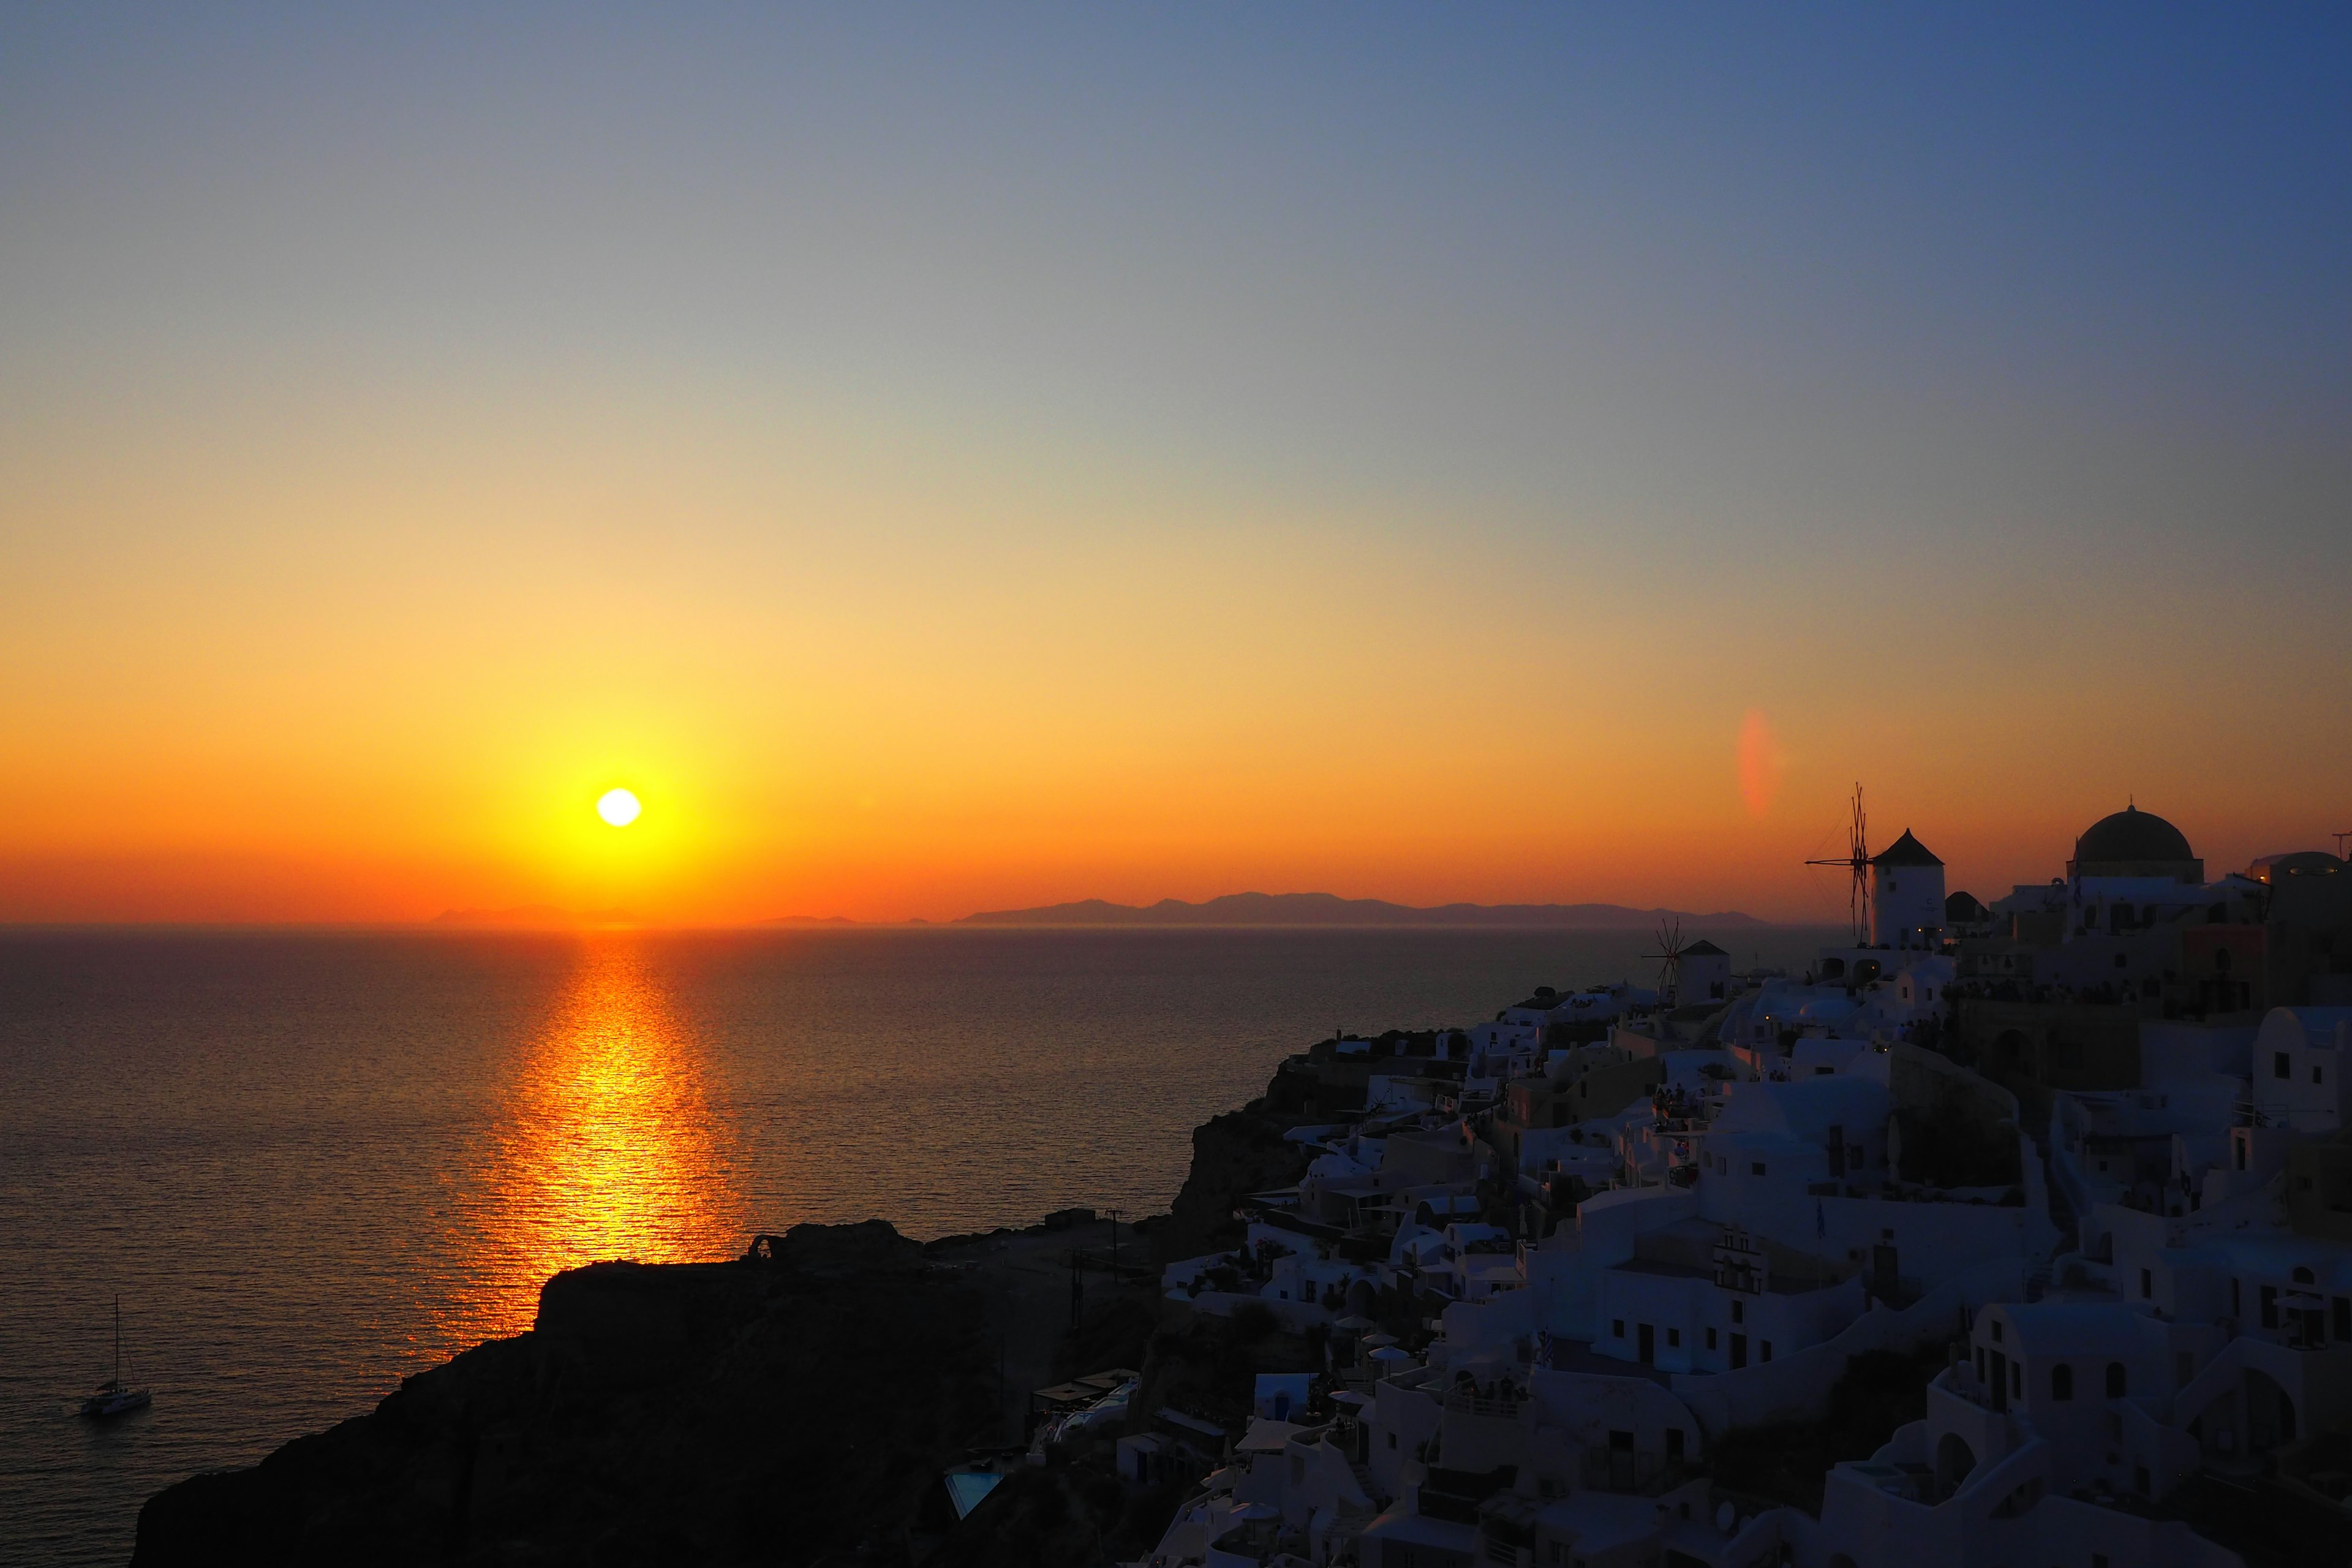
[
  {"x": 2017, "y": 1380},
  {"x": 2303, "y": 1276},
  {"x": 2146, "y": 1284},
  {"x": 2184, "y": 1369},
  {"x": 2236, "y": 1308},
  {"x": 1673, "y": 1442},
  {"x": 1996, "y": 1331},
  {"x": 1756, "y": 1168},
  {"x": 1617, "y": 1328},
  {"x": 1392, "y": 1440},
  {"x": 1710, "y": 1333},
  {"x": 2316, "y": 1076},
  {"x": 2279, "y": 1064},
  {"x": 2061, "y": 1381},
  {"x": 2139, "y": 1479},
  {"x": 1739, "y": 1311},
  {"x": 2342, "y": 1306},
  {"x": 2115, "y": 1382},
  {"x": 2270, "y": 1306},
  {"x": 1674, "y": 1339},
  {"x": 1764, "y": 1350}
]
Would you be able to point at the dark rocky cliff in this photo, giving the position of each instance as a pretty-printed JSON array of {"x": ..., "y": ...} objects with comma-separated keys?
[
  {"x": 1240, "y": 1152},
  {"x": 796, "y": 1411}
]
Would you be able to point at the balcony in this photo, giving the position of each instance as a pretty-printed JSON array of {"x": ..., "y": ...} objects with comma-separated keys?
[{"x": 1479, "y": 1405}]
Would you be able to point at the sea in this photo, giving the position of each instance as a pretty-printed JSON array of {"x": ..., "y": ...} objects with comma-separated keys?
[{"x": 305, "y": 1164}]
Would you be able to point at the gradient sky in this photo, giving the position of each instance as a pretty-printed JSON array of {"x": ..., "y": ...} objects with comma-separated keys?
[{"x": 960, "y": 457}]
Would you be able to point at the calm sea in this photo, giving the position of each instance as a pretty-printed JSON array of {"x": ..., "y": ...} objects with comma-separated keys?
[{"x": 309, "y": 1164}]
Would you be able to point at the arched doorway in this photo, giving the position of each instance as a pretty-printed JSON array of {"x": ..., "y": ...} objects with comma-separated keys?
[{"x": 1954, "y": 1460}]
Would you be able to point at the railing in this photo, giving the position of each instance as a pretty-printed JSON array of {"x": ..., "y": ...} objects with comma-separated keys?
[
  {"x": 1480, "y": 1404},
  {"x": 1625, "y": 1469}
]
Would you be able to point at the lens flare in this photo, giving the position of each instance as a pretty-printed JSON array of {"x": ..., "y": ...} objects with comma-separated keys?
[{"x": 1760, "y": 762}]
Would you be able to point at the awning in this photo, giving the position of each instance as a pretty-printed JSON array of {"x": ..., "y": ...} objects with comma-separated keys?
[{"x": 967, "y": 1487}]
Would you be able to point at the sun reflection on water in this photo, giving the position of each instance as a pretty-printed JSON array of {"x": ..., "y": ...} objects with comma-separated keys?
[{"x": 609, "y": 1149}]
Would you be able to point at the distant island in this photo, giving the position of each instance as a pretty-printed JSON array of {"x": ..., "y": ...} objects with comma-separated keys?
[
  {"x": 1330, "y": 909},
  {"x": 1237, "y": 910},
  {"x": 532, "y": 916}
]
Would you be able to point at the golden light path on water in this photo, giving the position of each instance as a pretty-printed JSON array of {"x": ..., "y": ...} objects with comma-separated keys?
[{"x": 610, "y": 1150}]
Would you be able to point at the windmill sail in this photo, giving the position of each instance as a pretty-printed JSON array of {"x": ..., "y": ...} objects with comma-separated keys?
[{"x": 1856, "y": 860}]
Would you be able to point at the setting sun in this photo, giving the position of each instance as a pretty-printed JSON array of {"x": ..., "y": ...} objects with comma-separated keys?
[{"x": 618, "y": 806}]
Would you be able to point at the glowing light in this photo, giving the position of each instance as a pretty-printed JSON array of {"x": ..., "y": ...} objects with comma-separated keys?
[
  {"x": 618, "y": 806},
  {"x": 1762, "y": 763}
]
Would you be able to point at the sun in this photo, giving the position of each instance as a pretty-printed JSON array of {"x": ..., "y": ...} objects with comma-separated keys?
[{"x": 618, "y": 806}]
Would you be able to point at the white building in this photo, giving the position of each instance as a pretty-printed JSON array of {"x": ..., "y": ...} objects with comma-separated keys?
[{"x": 1906, "y": 903}]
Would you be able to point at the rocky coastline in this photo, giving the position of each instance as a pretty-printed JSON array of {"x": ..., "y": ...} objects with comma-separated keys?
[{"x": 797, "y": 1405}]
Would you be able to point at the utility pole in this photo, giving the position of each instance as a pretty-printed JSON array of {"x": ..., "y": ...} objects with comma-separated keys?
[{"x": 1114, "y": 1247}]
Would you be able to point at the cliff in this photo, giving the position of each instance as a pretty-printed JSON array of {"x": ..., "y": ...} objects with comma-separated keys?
[
  {"x": 798, "y": 1410},
  {"x": 1240, "y": 1152},
  {"x": 797, "y": 1406}
]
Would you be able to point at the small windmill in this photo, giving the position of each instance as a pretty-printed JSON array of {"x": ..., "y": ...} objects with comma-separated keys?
[
  {"x": 2339, "y": 839},
  {"x": 1856, "y": 859},
  {"x": 1670, "y": 958}
]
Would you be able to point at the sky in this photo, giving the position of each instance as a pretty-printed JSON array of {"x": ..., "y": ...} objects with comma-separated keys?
[{"x": 947, "y": 458}]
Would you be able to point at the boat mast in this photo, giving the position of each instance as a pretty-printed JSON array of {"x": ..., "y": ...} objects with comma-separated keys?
[{"x": 118, "y": 1339}]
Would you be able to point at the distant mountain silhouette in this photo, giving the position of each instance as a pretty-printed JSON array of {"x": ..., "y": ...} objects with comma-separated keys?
[
  {"x": 810, "y": 920},
  {"x": 533, "y": 916},
  {"x": 1329, "y": 910}
]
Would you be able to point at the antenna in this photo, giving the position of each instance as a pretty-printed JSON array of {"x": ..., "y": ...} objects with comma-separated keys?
[
  {"x": 2339, "y": 839},
  {"x": 1857, "y": 859}
]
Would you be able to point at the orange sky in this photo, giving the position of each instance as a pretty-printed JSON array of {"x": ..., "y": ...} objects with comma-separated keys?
[{"x": 1488, "y": 484}]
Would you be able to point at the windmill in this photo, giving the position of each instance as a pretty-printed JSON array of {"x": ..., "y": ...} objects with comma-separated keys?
[
  {"x": 1670, "y": 958},
  {"x": 1856, "y": 859}
]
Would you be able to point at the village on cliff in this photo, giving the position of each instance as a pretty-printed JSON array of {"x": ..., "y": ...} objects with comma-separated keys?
[{"x": 2075, "y": 1167}]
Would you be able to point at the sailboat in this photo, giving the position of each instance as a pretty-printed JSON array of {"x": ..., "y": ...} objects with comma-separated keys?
[{"x": 114, "y": 1397}]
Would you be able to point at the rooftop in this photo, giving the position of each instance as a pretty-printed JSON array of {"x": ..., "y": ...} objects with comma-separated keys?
[{"x": 2132, "y": 834}]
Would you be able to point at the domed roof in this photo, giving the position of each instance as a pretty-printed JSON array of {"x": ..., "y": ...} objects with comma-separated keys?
[{"x": 2132, "y": 834}]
